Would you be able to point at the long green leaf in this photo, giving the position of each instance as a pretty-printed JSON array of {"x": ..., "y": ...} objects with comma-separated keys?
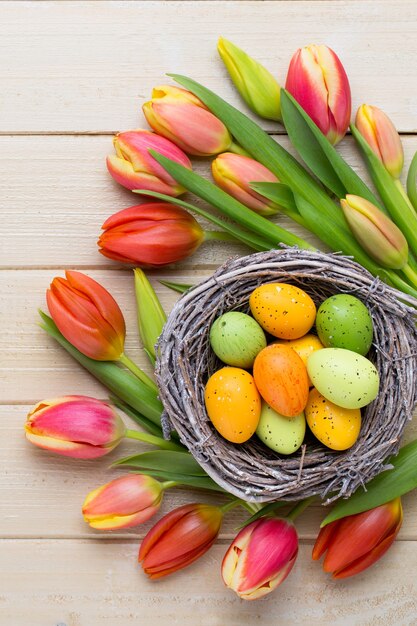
[
  {"x": 412, "y": 181},
  {"x": 198, "y": 482},
  {"x": 179, "y": 287},
  {"x": 280, "y": 194},
  {"x": 140, "y": 419},
  {"x": 266, "y": 510},
  {"x": 386, "y": 486},
  {"x": 121, "y": 383},
  {"x": 319, "y": 154},
  {"x": 166, "y": 461}
]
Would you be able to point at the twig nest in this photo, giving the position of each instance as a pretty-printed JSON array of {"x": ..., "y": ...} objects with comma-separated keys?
[{"x": 252, "y": 471}]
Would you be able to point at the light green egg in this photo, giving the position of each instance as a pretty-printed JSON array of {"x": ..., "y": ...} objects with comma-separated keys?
[
  {"x": 343, "y": 321},
  {"x": 236, "y": 338},
  {"x": 344, "y": 377},
  {"x": 282, "y": 434}
]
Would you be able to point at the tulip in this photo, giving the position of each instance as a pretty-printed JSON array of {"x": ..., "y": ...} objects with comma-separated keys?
[
  {"x": 255, "y": 84},
  {"x": 133, "y": 167},
  {"x": 151, "y": 315},
  {"x": 180, "y": 116},
  {"x": 75, "y": 426},
  {"x": 380, "y": 133},
  {"x": 234, "y": 173},
  {"x": 317, "y": 80},
  {"x": 356, "y": 542},
  {"x": 260, "y": 557},
  {"x": 123, "y": 502},
  {"x": 150, "y": 235},
  {"x": 376, "y": 233},
  {"x": 87, "y": 315},
  {"x": 179, "y": 539}
]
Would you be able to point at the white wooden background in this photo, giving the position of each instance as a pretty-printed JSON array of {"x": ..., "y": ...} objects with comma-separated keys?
[{"x": 71, "y": 74}]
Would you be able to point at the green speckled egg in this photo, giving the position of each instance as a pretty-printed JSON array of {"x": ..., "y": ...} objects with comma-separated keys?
[
  {"x": 345, "y": 378},
  {"x": 282, "y": 434},
  {"x": 236, "y": 338},
  {"x": 343, "y": 321}
]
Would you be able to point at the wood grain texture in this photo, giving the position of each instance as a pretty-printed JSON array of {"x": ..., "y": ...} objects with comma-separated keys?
[{"x": 89, "y": 66}]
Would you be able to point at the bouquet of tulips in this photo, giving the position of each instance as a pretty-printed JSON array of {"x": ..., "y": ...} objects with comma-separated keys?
[{"x": 255, "y": 178}]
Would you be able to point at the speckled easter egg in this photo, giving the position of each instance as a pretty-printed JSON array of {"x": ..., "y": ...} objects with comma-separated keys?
[
  {"x": 336, "y": 427},
  {"x": 344, "y": 377},
  {"x": 233, "y": 403},
  {"x": 283, "y": 310},
  {"x": 304, "y": 346},
  {"x": 282, "y": 434},
  {"x": 343, "y": 321},
  {"x": 236, "y": 339}
]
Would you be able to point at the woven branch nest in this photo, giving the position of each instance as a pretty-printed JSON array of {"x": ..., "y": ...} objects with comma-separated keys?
[{"x": 251, "y": 470}]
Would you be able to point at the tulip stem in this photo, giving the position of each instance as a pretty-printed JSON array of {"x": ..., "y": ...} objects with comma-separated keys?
[
  {"x": 411, "y": 274},
  {"x": 168, "y": 484},
  {"x": 411, "y": 182},
  {"x": 234, "y": 147},
  {"x": 219, "y": 235},
  {"x": 231, "y": 505},
  {"x": 161, "y": 443},
  {"x": 144, "y": 378},
  {"x": 401, "y": 189},
  {"x": 299, "y": 508}
]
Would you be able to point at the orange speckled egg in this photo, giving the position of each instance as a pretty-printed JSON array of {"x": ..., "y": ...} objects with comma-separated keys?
[
  {"x": 233, "y": 403},
  {"x": 336, "y": 427},
  {"x": 303, "y": 347},
  {"x": 281, "y": 378},
  {"x": 284, "y": 311}
]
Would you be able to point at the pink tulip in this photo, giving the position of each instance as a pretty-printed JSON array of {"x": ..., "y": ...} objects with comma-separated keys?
[
  {"x": 382, "y": 136},
  {"x": 133, "y": 167},
  {"x": 317, "y": 80},
  {"x": 77, "y": 426},
  {"x": 180, "y": 116},
  {"x": 260, "y": 557},
  {"x": 123, "y": 502},
  {"x": 234, "y": 173}
]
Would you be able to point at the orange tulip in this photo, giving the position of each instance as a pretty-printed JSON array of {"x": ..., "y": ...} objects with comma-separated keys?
[{"x": 356, "y": 542}]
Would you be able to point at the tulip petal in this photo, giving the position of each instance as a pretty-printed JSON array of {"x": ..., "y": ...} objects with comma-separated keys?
[
  {"x": 323, "y": 540},
  {"x": 115, "y": 522},
  {"x": 67, "y": 448},
  {"x": 368, "y": 559},
  {"x": 123, "y": 496}
]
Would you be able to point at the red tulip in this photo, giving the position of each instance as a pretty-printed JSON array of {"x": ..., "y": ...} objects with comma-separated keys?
[
  {"x": 122, "y": 503},
  {"x": 382, "y": 136},
  {"x": 317, "y": 80},
  {"x": 356, "y": 542},
  {"x": 133, "y": 167},
  {"x": 260, "y": 557},
  {"x": 150, "y": 235},
  {"x": 75, "y": 426},
  {"x": 179, "y": 539},
  {"x": 87, "y": 315},
  {"x": 179, "y": 115}
]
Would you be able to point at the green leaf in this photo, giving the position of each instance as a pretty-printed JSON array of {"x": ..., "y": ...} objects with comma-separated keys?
[
  {"x": 120, "y": 382},
  {"x": 151, "y": 316},
  {"x": 180, "y": 287},
  {"x": 412, "y": 182},
  {"x": 140, "y": 419},
  {"x": 198, "y": 482},
  {"x": 266, "y": 510},
  {"x": 166, "y": 461},
  {"x": 280, "y": 194},
  {"x": 319, "y": 154},
  {"x": 386, "y": 486}
]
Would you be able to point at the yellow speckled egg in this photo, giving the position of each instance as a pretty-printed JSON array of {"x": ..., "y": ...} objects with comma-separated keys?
[
  {"x": 283, "y": 310},
  {"x": 304, "y": 347},
  {"x": 233, "y": 403},
  {"x": 336, "y": 427}
]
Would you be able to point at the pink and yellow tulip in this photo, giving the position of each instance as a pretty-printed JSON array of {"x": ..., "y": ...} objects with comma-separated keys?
[
  {"x": 356, "y": 542},
  {"x": 133, "y": 167},
  {"x": 260, "y": 557},
  {"x": 317, "y": 80},
  {"x": 122, "y": 503},
  {"x": 380, "y": 133},
  {"x": 179, "y": 539},
  {"x": 181, "y": 117},
  {"x": 234, "y": 173},
  {"x": 77, "y": 426},
  {"x": 87, "y": 315},
  {"x": 150, "y": 235}
]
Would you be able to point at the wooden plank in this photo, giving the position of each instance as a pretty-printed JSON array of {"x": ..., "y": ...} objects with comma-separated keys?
[
  {"x": 55, "y": 193},
  {"x": 96, "y": 62},
  {"x": 79, "y": 583}
]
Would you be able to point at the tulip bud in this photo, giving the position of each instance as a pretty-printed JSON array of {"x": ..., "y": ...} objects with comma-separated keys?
[
  {"x": 234, "y": 173},
  {"x": 181, "y": 117},
  {"x": 356, "y": 542},
  {"x": 376, "y": 233},
  {"x": 255, "y": 84},
  {"x": 179, "y": 538},
  {"x": 123, "y": 502},
  {"x": 382, "y": 136},
  {"x": 133, "y": 167},
  {"x": 151, "y": 315},
  {"x": 75, "y": 426},
  {"x": 150, "y": 235},
  {"x": 317, "y": 80},
  {"x": 87, "y": 315},
  {"x": 260, "y": 557}
]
